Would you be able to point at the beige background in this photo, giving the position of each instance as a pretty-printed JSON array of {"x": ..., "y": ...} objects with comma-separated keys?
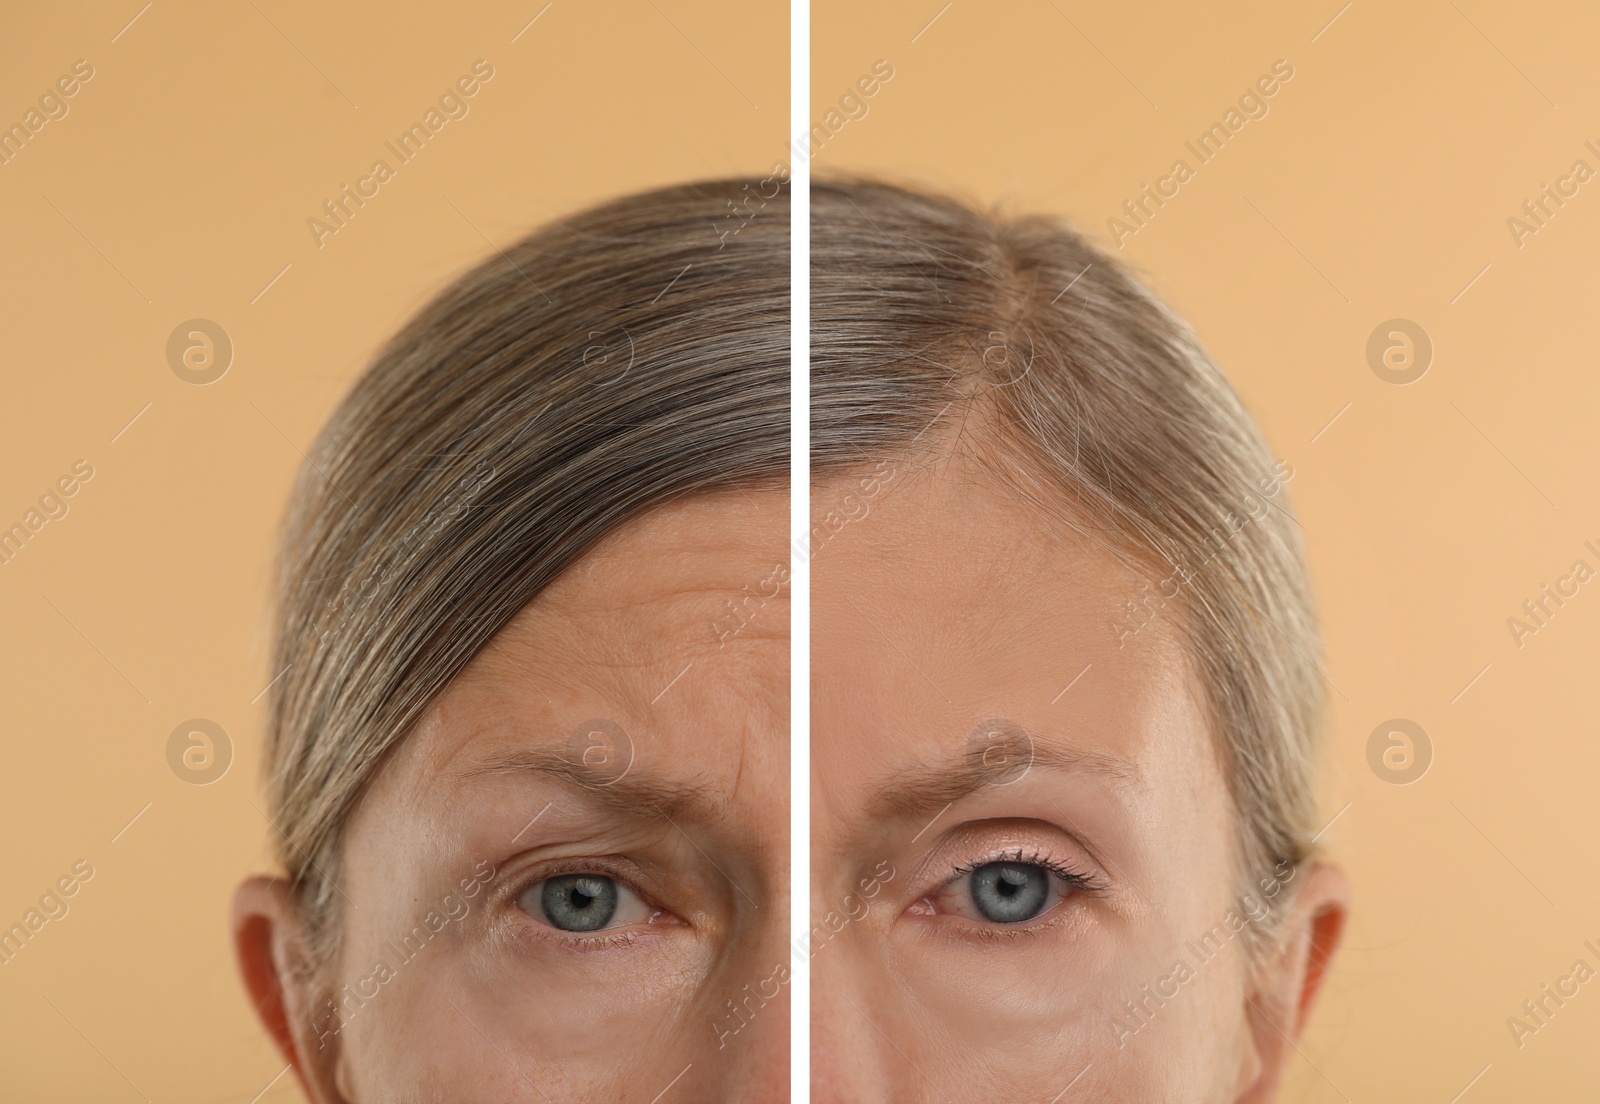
[
  {"x": 1377, "y": 186},
  {"x": 178, "y": 186}
]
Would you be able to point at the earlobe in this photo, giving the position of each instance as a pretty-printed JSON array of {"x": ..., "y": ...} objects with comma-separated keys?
[
  {"x": 1287, "y": 987},
  {"x": 266, "y": 931}
]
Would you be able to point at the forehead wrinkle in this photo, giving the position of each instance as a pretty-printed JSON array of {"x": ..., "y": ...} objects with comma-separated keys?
[
  {"x": 642, "y": 618},
  {"x": 659, "y": 592},
  {"x": 636, "y": 794},
  {"x": 916, "y": 789}
]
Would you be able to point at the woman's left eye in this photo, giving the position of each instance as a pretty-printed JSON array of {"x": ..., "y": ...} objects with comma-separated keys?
[
  {"x": 1004, "y": 892},
  {"x": 583, "y": 903}
]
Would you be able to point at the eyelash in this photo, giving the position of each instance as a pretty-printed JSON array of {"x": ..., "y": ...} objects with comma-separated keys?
[{"x": 1077, "y": 881}]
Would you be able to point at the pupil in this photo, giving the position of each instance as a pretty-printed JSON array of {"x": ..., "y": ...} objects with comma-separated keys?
[
  {"x": 1010, "y": 892},
  {"x": 579, "y": 902}
]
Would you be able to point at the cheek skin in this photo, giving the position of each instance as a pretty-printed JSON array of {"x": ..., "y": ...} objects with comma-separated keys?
[
  {"x": 1021, "y": 1012},
  {"x": 479, "y": 1014},
  {"x": 433, "y": 1033}
]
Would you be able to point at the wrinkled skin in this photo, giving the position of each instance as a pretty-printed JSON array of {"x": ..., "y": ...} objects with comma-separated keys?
[{"x": 500, "y": 788}]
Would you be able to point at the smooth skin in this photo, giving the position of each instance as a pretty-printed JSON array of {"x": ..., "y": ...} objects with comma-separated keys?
[
  {"x": 974, "y": 700},
  {"x": 674, "y": 632}
]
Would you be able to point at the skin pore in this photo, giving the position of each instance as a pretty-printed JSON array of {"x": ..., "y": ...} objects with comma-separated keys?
[
  {"x": 979, "y": 728},
  {"x": 616, "y": 761}
]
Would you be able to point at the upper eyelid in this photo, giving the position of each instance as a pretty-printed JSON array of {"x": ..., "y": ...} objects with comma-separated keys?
[
  {"x": 1079, "y": 882},
  {"x": 1050, "y": 845},
  {"x": 1015, "y": 855}
]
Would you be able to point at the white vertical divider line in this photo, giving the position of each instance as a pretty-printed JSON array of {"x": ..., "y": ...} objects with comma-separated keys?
[{"x": 800, "y": 545}]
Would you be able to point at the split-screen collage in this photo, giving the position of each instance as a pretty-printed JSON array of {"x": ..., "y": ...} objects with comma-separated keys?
[{"x": 668, "y": 551}]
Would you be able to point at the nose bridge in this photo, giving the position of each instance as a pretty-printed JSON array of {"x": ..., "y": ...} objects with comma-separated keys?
[
  {"x": 750, "y": 1013},
  {"x": 853, "y": 1060}
]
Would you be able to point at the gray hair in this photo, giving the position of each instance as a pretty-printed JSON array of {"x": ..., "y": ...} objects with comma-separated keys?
[
  {"x": 609, "y": 363},
  {"x": 1101, "y": 407}
]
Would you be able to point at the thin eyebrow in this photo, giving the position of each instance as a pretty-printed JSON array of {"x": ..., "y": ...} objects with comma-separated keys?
[
  {"x": 917, "y": 790},
  {"x": 635, "y": 794}
]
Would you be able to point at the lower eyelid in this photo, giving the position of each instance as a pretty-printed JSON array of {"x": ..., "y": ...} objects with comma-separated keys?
[
  {"x": 1003, "y": 933},
  {"x": 965, "y": 932},
  {"x": 540, "y": 936}
]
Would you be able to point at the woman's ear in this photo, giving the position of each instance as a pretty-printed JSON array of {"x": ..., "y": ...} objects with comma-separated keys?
[
  {"x": 267, "y": 940},
  {"x": 1286, "y": 987}
]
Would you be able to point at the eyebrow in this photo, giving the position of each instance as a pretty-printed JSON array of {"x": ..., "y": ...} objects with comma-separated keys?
[
  {"x": 636, "y": 793},
  {"x": 916, "y": 790}
]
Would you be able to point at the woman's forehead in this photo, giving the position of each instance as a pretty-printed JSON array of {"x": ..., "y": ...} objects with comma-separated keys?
[{"x": 669, "y": 641}]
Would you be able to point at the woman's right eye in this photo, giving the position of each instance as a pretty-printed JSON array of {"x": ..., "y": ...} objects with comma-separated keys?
[{"x": 585, "y": 902}]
